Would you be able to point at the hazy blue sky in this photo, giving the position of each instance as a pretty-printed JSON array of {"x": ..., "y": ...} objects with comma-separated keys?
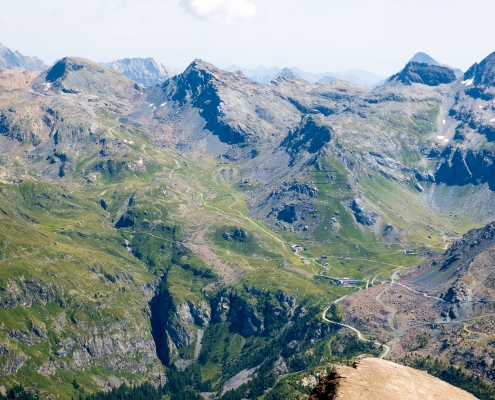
[{"x": 315, "y": 35}]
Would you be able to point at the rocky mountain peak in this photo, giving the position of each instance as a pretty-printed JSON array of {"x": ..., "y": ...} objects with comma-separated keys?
[
  {"x": 482, "y": 73},
  {"x": 431, "y": 75},
  {"x": 424, "y": 58},
  {"x": 14, "y": 60},
  {"x": 75, "y": 75},
  {"x": 63, "y": 67},
  {"x": 197, "y": 76},
  {"x": 287, "y": 73},
  {"x": 146, "y": 71},
  {"x": 205, "y": 70}
]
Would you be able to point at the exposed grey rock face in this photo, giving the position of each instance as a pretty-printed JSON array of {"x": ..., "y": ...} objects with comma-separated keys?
[
  {"x": 460, "y": 167},
  {"x": 48, "y": 368},
  {"x": 201, "y": 313},
  {"x": 290, "y": 213},
  {"x": 35, "y": 336},
  {"x": 12, "y": 365},
  {"x": 311, "y": 135},
  {"x": 192, "y": 314},
  {"x": 295, "y": 188},
  {"x": 388, "y": 231},
  {"x": 483, "y": 73},
  {"x": 431, "y": 75},
  {"x": 184, "y": 313},
  {"x": 146, "y": 71},
  {"x": 27, "y": 292},
  {"x": 223, "y": 307},
  {"x": 361, "y": 213},
  {"x": 14, "y": 60},
  {"x": 181, "y": 334}
]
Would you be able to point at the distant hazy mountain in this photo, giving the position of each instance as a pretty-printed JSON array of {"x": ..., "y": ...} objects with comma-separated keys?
[
  {"x": 287, "y": 73},
  {"x": 147, "y": 71},
  {"x": 327, "y": 78},
  {"x": 14, "y": 60},
  {"x": 426, "y": 59},
  {"x": 262, "y": 74}
]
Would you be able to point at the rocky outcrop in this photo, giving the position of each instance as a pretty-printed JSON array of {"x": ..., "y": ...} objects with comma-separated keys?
[
  {"x": 237, "y": 235},
  {"x": 12, "y": 365},
  {"x": 292, "y": 202},
  {"x": 29, "y": 292},
  {"x": 311, "y": 135},
  {"x": 375, "y": 379},
  {"x": 361, "y": 213},
  {"x": 289, "y": 213},
  {"x": 201, "y": 313},
  {"x": 293, "y": 190},
  {"x": 431, "y": 75},
  {"x": 334, "y": 224}
]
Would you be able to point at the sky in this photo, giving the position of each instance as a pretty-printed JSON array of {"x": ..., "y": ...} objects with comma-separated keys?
[{"x": 315, "y": 35}]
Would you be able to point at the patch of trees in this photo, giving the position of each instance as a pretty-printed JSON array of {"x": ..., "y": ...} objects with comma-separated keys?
[{"x": 18, "y": 393}]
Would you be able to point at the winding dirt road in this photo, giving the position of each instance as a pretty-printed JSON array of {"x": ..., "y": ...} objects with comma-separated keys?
[{"x": 386, "y": 349}]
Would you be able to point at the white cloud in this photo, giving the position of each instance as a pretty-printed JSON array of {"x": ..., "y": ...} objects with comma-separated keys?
[{"x": 221, "y": 11}]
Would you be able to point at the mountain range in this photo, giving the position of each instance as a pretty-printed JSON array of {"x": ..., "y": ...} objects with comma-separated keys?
[
  {"x": 262, "y": 74},
  {"x": 197, "y": 233}
]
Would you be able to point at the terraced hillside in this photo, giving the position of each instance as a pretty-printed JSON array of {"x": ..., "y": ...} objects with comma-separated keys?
[{"x": 200, "y": 225}]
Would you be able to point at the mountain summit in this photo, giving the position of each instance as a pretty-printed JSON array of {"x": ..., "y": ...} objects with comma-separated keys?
[
  {"x": 14, "y": 60},
  {"x": 424, "y": 58},
  {"x": 288, "y": 74},
  {"x": 147, "y": 71},
  {"x": 74, "y": 75},
  {"x": 431, "y": 75}
]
